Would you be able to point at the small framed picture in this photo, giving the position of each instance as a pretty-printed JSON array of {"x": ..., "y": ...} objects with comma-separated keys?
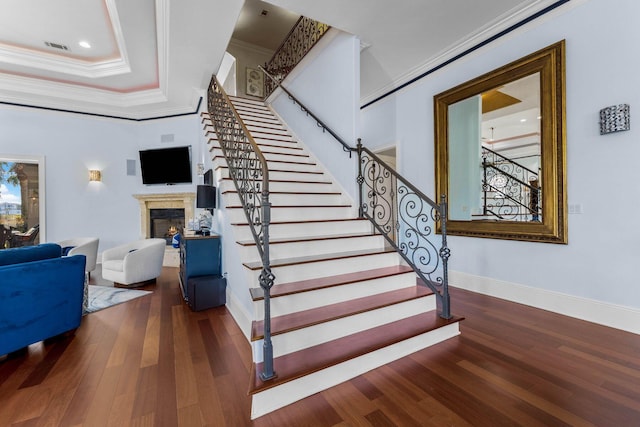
[{"x": 255, "y": 82}]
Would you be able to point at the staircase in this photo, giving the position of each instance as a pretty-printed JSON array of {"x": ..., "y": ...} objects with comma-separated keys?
[{"x": 343, "y": 302}]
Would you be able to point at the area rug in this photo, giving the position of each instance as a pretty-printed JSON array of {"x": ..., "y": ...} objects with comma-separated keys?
[{"x": 105, "y": 296}]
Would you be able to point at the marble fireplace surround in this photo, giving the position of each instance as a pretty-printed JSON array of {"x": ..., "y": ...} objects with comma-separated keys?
[{"x": 147, "y": 202}]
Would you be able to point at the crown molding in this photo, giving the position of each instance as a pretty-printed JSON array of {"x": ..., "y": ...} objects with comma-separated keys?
[
  {"x": 250, "y": 47},
  {"x": 88, "y": 68},
  {"x": 516, "y": 19}
]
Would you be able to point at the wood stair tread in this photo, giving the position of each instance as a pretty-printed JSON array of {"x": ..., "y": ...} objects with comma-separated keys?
[
  {"x": 309, "y": 221},
  {"x": 327, "y": 313},
  {"x": 318, "y": 258},
  {"x": 308, "y": 238},
  {"x": 293, "y": 146},
  {"x": 290, "y": 288},
  {"x": 292, "y": 181},
  {"x": 338, "y": 205},
  {"x": 316, "y": 193},
  {"x": 313, "y": 359},
  {"x": 314, "y": 172},
  {"x": 286, "y": 162}
]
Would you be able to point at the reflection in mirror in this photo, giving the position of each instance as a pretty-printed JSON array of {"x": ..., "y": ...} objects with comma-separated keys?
[
  {"x": 500, "y": 149},
  {"x": 494, "y": 154}
]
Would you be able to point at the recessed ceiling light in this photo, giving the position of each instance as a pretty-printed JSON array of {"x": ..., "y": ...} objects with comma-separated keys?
[
  {"x": 85, "y": 44},
  {"x": 523, "y": 120}
]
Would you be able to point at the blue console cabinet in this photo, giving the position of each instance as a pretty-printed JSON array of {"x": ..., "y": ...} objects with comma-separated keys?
[{"x": 201, "y": 280}]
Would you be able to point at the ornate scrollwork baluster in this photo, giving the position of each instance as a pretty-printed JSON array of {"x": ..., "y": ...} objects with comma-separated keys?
[
  {"x": 303, "y": 36},
  {"x": 248, "y": 169}
]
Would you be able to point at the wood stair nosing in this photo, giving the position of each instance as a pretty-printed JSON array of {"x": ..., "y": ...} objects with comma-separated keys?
[
  {"x": 313, "y": 172},
  {"x": 275, "y": 263},
  {"x": 284, "y": 289},
  {"x": 284, "y": 240},
  {"x": 291, "y": 181},
  {"x": 314, "y": 359},
  {"x": 268, "y": 144},
  {"x": 253, "y": 107},
  {"x": 255, "y": 116},
  {"x": 299, "y": 193},
  {"x": 246, "y": 224},
  {"x": 278, "y": 127},
  {"x": 268, "y": 149},
  {"x": 303, "y": 319},
  {"x": 286, "y": 162},
  {"x": 340, "y": 205}
]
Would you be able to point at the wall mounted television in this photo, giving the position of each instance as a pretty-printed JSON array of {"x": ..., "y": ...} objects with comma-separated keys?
[{"x": 166, "y": 165}]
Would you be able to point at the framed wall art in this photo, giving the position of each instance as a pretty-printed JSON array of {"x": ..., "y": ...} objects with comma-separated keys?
[{"x": 255, "y": 82}]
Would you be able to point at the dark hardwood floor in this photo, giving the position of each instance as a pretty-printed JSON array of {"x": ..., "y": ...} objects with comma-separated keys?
[{"x": 151, "y": 361}]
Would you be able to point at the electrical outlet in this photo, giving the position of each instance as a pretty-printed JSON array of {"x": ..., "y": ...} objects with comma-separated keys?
[{"x": 575, "y": 209}]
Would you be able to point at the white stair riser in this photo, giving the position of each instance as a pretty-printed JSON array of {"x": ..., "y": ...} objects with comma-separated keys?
[
  {"x": 271, "y": 135},
  {"x": 236, "y": 215},
  {"x": 271, "y": 130},
  {"x": 295, "y": 187},
  {"x": 319, "y": 247},
  {"x": 277, "y": 397},
  {"x": 276, "y": 161},
  {"x": 242, "y": 232},
  {"x": 293, "y": 303},
  {"x": 279, "y": 199},
  {"x": 314, "y": 270},
  {"x": 300, "y": 166},
  {"x": 223, "y": 172},
  {"x": 327, "y": 331},
  {"x": 271, "y": 151},
  {"x": 258, "y": 113},
  {"x": 254, "y": 121}
]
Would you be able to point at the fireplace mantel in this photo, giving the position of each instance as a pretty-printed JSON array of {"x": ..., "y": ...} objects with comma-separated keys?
[{"x": 184, "y": 201}]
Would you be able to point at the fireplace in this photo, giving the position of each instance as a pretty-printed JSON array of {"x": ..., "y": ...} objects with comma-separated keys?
[
  {"x": 165, "y": 223},
  {"x": 179, "y": 207}
]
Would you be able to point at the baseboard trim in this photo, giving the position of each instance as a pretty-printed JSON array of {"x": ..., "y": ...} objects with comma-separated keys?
[
  {"x": 239, "y": 314},
  {"x": 602, "y": 313}
]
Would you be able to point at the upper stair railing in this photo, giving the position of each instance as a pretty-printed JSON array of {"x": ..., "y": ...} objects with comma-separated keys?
[
  {"x": 404, "y": 215},
  {"x": 511, "y": 191},
  {"x": 303, "y": 36},
  {"x": 250, "y": 174}
]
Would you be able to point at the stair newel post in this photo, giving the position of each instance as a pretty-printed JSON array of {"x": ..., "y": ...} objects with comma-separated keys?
[
  {"x": 360, "y": 178},
  {"x": 266, "y": 282},
  {"x": 445, "y": 252}
]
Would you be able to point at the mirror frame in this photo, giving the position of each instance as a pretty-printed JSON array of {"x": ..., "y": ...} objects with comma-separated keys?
[{"x": 550, "y": 63}]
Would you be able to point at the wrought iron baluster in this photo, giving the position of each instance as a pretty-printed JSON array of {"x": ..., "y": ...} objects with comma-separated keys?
[
  {"x": 303, "y": 36},
  {"x": 248, "y": 169}
]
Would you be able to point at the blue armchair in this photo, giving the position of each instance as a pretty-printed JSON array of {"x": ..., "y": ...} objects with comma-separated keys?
[{"x": 40, "y": 294}]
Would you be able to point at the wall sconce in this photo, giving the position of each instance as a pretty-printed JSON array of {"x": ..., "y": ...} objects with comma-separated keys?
[
  {"x": 95, "y": 175},
  {"x": 615, "y": 119}
]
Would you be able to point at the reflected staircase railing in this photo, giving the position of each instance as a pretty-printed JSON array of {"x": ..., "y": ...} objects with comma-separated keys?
[{"x": 510, "y": 190}]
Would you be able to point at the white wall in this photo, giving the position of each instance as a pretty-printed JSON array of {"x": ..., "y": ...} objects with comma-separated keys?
[
  {"x": 601, "y": 70},
  {"x": 327, "y": 81},
  {"x": 72, "y": 144}
]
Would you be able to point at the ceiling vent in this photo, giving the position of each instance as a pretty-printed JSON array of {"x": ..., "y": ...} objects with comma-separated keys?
[{"x": 56, "y": 45}]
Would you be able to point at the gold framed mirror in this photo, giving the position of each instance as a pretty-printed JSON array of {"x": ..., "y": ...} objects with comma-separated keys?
[{"x": 500, "y": 151}]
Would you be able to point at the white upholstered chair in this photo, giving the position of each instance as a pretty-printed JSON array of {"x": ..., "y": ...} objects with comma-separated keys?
[
  {"x": 134, "y": 264},
  {"x": 87, "y": 246}
]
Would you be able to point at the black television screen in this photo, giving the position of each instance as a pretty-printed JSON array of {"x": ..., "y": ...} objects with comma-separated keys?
[{"x": 166, "y": 165}]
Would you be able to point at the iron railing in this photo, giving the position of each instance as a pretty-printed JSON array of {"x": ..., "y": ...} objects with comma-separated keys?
[
  {"x": 250, "y": 174},
  {"x": 303, "y": 36},
  {"x": 404, "y": 215},
  {"x": 510, "y": 190}
]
